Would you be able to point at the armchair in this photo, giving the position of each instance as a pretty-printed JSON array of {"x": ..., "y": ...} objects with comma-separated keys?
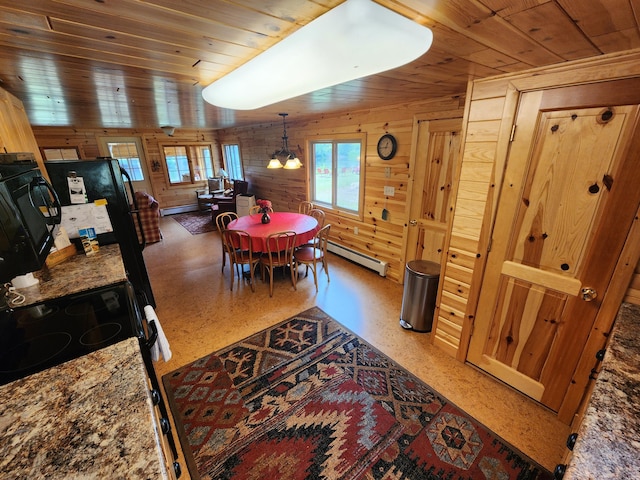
[
  {"x": 205, "y": 196},
  {"x": 240, "y": 187}
]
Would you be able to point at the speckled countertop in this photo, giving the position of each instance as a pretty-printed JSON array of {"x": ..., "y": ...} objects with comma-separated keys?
[
  {"x": 77, "y": 274},
  {"x": 91, "y": 417},
  {"x": 608, "y": 445}
]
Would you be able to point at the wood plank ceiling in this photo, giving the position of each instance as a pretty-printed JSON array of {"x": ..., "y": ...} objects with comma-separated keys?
[{"x": 144, "y": 63}]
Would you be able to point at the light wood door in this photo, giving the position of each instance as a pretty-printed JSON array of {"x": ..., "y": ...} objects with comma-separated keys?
[
  {"x": 437, "y": 151},
  {"x": 568, "y": 200}
]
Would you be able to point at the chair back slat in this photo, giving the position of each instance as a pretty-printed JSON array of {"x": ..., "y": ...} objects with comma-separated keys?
[
  {"x": 224, "y": 219},
  {"x": 318, "y": 215},
  {"x": 305, "y": 207},
  {"x": 280, "y": 247}
]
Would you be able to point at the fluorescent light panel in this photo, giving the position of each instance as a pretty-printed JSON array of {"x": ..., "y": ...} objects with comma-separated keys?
[{"x": 355, "y": 39}]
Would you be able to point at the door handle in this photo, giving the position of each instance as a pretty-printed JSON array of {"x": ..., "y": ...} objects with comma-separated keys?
[
  {"x": 588, "y": 294},
  {"x": 413, "y": 223}
]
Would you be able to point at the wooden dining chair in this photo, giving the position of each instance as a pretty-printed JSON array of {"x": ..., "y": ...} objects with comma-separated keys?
[
  {"x": 240, "y": 250},
  {"x": 318, "y": 215},
  {"x": 222, "y": 221},
  {"x": 280, "y": 247},
  {"x": 304, "y": 207},
  {"x": 313, "y": 254},
  {"x": 258, "y": 209}
]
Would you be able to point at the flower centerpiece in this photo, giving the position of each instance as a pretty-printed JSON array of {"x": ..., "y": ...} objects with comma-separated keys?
[{"x": 265, "y": 208}]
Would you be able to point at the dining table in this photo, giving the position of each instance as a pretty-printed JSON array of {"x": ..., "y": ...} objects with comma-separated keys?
[{"x": 305, "y": 227}]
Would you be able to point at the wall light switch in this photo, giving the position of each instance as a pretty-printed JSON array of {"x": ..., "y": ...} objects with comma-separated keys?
[{"x": 389, "y": 191}]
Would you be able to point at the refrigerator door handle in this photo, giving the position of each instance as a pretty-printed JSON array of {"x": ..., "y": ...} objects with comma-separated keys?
[
  {"x": 53, "y": 208},
  {"x": 136, "y": 209}
]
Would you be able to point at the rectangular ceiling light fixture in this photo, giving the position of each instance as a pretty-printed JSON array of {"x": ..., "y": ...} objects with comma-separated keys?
[{"x": 353, "y": 40}]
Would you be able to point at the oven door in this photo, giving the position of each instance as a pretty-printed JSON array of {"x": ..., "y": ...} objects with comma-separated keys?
[{"x": 40, "y": 336}]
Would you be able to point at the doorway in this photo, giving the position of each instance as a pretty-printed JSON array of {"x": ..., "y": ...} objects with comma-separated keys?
[
  {"x": 437, "y": 148},
  {"x": 130, "y": 155}
]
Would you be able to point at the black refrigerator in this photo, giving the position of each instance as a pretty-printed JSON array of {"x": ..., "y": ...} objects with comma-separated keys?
[{"x": 104, "y": 179}]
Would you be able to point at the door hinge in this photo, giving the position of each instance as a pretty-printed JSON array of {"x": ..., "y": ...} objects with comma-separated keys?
[
  {"x": 513, "y": 132},
  {"x": 489, "y": 245}
]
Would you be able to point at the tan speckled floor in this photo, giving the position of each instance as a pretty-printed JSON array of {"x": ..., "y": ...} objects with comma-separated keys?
[{"x": 199, "y": 314}]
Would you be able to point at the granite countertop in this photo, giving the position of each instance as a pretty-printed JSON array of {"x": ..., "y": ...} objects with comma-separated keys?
[
  {"x": 91, "y": 417},
  {"x": 77, "y": 274},
  {"x": 608, "y": 444}
]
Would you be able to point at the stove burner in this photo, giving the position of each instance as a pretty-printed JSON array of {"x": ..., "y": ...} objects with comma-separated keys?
[
  {"x": 34, "y": 352},
  {"x": 101, "y": 334}
]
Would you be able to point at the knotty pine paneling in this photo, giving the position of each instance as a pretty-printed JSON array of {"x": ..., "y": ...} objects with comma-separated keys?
[
  {"x": 286, "y": 188},
  {"x": 379, "y": 238},
  {"x": 86, "y": 141},
  {"x": 488, "y": 120}
]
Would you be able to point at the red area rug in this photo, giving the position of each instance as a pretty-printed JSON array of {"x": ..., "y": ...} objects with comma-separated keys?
[
  {"x": 195, "y": 222},
  {"x": 307, "y": 399}
]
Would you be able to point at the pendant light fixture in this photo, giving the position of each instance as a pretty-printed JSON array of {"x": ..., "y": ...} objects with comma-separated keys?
[
  {"x": 353, "y": 40},
  {"x": 284, "y": 154}
]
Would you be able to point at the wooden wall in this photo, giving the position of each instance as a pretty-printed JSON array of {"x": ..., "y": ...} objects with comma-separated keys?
[
  {"x": 286, "y": 188},
  {"x": 86, "y": 141},
  {"x": 376, "y": 237},
  {"x": 489, "y": 116}
]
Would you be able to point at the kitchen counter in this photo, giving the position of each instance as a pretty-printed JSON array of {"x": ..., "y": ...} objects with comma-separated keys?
[
  {"x": 77, "y": 274},
  {"x": 608, "y": 445},
  {"x": 91, "y": 417}
]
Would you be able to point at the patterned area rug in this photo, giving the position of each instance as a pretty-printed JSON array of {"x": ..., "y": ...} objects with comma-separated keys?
[
  {"x": 195, "y": 222},
  {"x": 307, "y": 399}
]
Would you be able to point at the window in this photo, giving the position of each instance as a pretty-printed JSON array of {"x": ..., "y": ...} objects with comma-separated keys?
[
  {"x": 233, "y": 161},
  {"x": 188, "y": 163},
  {"x": 128, "y": 158},
  {"x": 335, "y": 176}
]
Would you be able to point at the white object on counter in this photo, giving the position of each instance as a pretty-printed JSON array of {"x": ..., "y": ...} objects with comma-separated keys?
[
  {"x": 24, "y": 281},
  {"x": 161, "y": 345}
]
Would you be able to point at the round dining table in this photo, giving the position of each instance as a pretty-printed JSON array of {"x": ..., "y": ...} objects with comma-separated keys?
[{"x": 305, "y": 227}]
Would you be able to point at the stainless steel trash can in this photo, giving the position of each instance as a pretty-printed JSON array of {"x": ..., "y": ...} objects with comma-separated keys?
[{"x": 419, "y": 296}]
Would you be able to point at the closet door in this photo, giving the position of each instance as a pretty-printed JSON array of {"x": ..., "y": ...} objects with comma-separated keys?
[
  {"x": 437, "y": 153},
  {"x": 568, "y": 200}
]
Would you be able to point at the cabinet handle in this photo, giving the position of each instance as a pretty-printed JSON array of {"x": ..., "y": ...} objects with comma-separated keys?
[
  {"x": 571, "y": 441},
  {"x": 155, "y": 396},
  {"x": 177, "y": 469},
  {"x": 559, "y": 471},
  {"x": 165, "y": 426}
]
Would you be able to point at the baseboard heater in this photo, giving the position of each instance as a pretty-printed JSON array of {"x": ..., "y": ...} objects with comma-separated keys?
[
  {"x": 174, "y": 210},
  {"x": 359, "y": 258}
]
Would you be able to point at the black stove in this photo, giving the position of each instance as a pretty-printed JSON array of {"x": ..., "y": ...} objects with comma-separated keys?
[{"x": 40, "y": 336}]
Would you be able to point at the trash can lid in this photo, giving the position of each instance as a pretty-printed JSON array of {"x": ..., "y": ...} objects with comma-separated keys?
[{"x": 424, "y": 267}]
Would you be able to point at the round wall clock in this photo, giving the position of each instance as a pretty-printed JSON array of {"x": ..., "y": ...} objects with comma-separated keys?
[{"x": 387, "y": 146}]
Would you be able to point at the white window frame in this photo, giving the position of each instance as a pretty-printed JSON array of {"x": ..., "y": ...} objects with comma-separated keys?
[
  {"x": 334, "y": 172},
  {"x": 233, "y": 161}
]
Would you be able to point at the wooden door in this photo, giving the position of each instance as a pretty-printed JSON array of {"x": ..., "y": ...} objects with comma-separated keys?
[
  {"x": 129, "y": 150},
  {"x": 568, "y": 200},
  {"x": 437, "y": 151}
]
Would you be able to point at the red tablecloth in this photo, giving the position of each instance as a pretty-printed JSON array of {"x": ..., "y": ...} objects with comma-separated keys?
[{"x": 304, "y": 226}]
